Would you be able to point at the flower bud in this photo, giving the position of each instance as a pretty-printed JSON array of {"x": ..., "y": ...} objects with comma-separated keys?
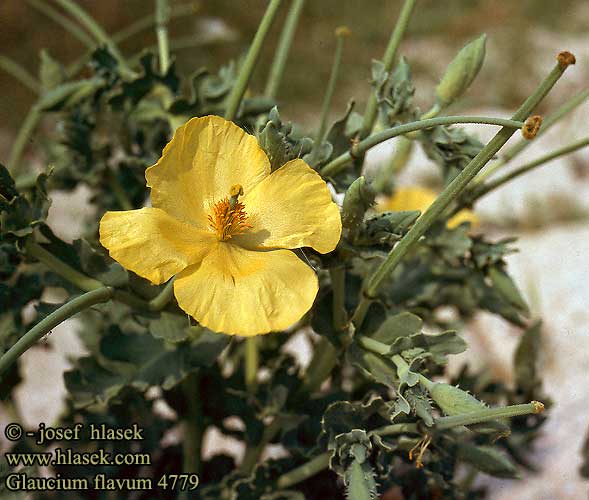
[
  {"x": 359, "y": 198},
  {"x": 461, "y": 72}
]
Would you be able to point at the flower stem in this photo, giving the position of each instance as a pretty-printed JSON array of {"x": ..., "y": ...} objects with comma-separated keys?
[
  {"x": 41, "y": 329},
  {"x": 252, "y": 454},
  {"x": 517, "y": 148},
  {"x": 388, "y": 60},
  {"x": 22, "y": 138},
  {"x": 281, "y": 55},
  {"x": 151, "y": 20},
  {"x": 339, "y": 163},
  {"x": 96, "y": 31},
  {"x": 163, "y": 298},
  {"x": 488, "y": 414},
  {"x": 252, "y": 361},
  {"x": 338, "y": 285},
  {"x": 63, "y": 21},
  {"x": 500, "y": 181},
  {"x": 450, "y": 193},
  {"x": 337, "y": 59},
  {"x": 305, "y": 471},
  {"x": 192, "y": 442},
  {"x": 79, "y": 279},
  {"x": 162, "y": 17},
  {"x": 251, "y": 59},
  {"x": 322, "y": 363},
  {"x": 19, "y": 73}
]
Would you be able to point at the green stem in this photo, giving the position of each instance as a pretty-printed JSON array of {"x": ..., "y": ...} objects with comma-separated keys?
[
  {"x": 339, "y": 163},
  {"x": 393, "y": 429},
  {"x": 150, "y": 21},
  {"x": 20, "y": 74},
  {"x": 252, "y": 362},
  {"x": 63, "y": 21},
  {"x": 251, "y": 59},
  {"x": 55, "y": 318},
  {"x": 338, "y": 285},
  {"x": 500, "y": 181},
  {"x": 96, "y": 31},
  {"x": 163, "y": 298},
  {"x": 283, "y": 48},
  {"x": 253, "y": 453},
  {"x": 162, "y": 16},
  {"x": 22, "y": 138},
  {"x": 450, "y": 193},
  {"x": 517, "y": 148},
  {"x": 337, "y": 59},
  {"x": 388, "y": 60},
  {"x": 192, "y": 442},
  {"x": 322, "y": 363},
  {"x": 305, "y": 471},
  {"x": 488, "y": 414},
  {"x": 79, "y": 279}
]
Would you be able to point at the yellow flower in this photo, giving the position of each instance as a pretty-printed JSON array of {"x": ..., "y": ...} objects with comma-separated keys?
[
  {"x": 416, "y": 198},
  {"x": 221, "y": 222}
]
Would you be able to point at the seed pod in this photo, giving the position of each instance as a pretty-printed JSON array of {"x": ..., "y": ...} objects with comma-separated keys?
[
  {"x": 461, "y": 72},
  {"x": 453, "y": 400}
]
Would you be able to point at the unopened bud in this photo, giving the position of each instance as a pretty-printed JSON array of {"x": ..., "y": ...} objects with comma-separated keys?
[
  {"x": 454, "y": 401},
  {"x": 461, "y": 72}
]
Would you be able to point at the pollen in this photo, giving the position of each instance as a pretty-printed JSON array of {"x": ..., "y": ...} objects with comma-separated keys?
[{"x": 229, "y": 217}]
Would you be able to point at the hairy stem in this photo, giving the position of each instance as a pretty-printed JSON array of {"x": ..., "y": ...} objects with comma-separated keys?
[
  {"x": 339, "y": 163},
  {"x": 251, "y": 59},
  {"x": 388, "y": 60},
  {"x": 283, "y": 48},
  {"x": 450, "y": 193},
  {"x": 42, "y": 328}
]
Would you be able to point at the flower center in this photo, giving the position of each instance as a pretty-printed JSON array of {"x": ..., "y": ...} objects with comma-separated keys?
[{"x": 229, "y": 216}]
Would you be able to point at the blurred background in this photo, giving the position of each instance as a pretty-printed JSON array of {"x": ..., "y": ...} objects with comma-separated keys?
[{"x": 547, "y": 209}]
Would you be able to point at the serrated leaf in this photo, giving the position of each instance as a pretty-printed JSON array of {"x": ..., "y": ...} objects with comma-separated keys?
[{"x": 398, "y": 326}]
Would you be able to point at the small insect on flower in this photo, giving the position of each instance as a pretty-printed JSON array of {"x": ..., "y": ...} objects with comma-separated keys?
[{"x": 224, "y": 226}]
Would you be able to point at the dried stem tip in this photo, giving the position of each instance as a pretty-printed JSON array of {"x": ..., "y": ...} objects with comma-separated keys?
[
  {"x": 342, "y": 31},
  {"x": 531, "y": 126},
  {"x": 565, "y": 59},
  {"x": 538, "y": 407}
]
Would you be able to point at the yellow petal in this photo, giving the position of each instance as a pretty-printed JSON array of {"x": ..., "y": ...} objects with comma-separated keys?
[
  {"x": 151, "y": 243},
  {"x": 416, "y": 198},
  {"x": 199, "y": 165},
  {"x": 292, "y": 208},
  {"x": 245, "y": 292}
]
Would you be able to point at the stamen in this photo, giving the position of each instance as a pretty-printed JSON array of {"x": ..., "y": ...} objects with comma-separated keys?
[{"x": 229, "y": 217}]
